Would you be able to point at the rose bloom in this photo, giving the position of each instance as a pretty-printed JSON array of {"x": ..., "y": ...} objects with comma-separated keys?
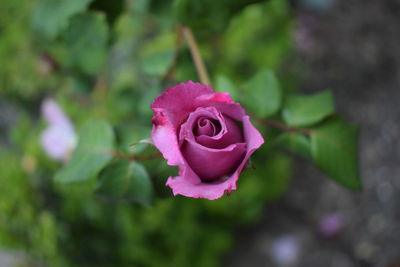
[{"x": 207, "y": 135}]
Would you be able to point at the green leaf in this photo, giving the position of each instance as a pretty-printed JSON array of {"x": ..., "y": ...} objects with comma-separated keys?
[
  {"x": 334, "y": 149},
  {"x": 296, "y": 143},
  {"x": 302, "y": 110},
  {"x": 130, "y": 137},
  {"x": 127, "y": 180},
  {"x": 157, "y": 64},
  {"x": 86, "y": 40},
  {"x": 157, "y": 53},
  {"x": 223, "y": 84},
  {"x": 263, "y": 94},
  {"x": 51, "y": 16},
  {"x": 93, "y": 152}
]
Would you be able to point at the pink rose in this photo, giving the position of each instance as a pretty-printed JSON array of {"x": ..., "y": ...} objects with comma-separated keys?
[{"x": 207, "y": 135}]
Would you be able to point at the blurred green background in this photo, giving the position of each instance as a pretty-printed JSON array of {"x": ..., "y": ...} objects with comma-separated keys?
[{"x": 104, "y": 62}]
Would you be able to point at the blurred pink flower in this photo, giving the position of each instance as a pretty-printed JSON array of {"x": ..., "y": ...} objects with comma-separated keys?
[
  {"x": 58, "y": 140},
  {"x": 331, "y": 224}
]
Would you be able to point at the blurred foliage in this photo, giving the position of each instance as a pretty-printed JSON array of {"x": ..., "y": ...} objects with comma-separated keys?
[
  {"x": 334, "y": 150},
  {"x": 303, "y": 111},
  {"x": 96, "y": 139},
  {"x": 263, "y": 85},
  {"x": 208, "y": 16},
  {"x": 104, "y": 64}
]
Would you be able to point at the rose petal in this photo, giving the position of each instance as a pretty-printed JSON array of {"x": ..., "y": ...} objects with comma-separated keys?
[
  {"x": 164, "y": 138},
  {"x": 183, "y": 185},
  {"x": 252, "y": 136},
  {"x": 229, "y": 108},
  {"x": 231, "y": 135},
  {"x": 178, "y": 101},
  {"x": 170, "y": 109},
  {"x": 187, "y": 128},
  {"x": 217, "y": 97},
  {"x": 230, "y": 132},
  {"x": 206, "y": 127},
  {"x": 210, "y": 164}
]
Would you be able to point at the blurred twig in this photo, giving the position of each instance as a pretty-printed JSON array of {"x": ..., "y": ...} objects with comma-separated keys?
[
  {"x": 194, "y": 50},
  {"x": 285, "y": 127},
  {"x": 169, "y": 74},
  {"x": 121, "y": 155}
]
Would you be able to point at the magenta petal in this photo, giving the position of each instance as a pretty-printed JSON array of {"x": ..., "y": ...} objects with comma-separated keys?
[
  {"x": 229, "y": 108},
  {"x": 210, "y": 164},
  {"x": 170, "y": 109},
  {"x": 232, "y": 134},
  {"x": 205, "y": 127},
  {"x": 178, "y": 101},
  {"x": 252, "y": 136},
  {"x": 187, "y": 128},
  {"x": 183, "y": 185},
  {"x": 254, "y": 140},
  {"x": 228, "y": 130},
  {"x": 217, "y": 97},
  {"x": 164, "y": 138}
]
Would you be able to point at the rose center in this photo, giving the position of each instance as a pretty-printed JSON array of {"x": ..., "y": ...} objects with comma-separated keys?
[{"x": 206, "y": 126}]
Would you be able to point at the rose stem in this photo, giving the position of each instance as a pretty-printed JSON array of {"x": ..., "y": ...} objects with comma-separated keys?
[{"x": 194, "y": 50}]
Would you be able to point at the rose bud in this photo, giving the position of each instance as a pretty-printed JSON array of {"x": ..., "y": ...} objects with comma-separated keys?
[{"x": 207, "y": 135}]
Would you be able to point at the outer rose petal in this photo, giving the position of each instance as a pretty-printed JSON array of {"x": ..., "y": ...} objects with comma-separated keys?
[
  {"x": 165, "y": 139},
  {"x": 170, "y": 109},
  {"x": 177, "y": 102},
  {"x": 217, "y": 97},
  {"x": 183, "y": 185},
  {"x": 223, "y": 103},
  {"x": 211, "y": 191}
]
